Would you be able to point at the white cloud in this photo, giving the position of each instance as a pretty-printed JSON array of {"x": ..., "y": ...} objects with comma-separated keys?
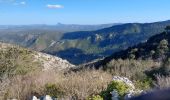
[
  {"x": 6, "y": 1},
  {"x": 20, "y": 3},
  {"x": 14, "y": 2},
  {"x": 54, "y": 6},
  {"x": 23, "y": 3}
]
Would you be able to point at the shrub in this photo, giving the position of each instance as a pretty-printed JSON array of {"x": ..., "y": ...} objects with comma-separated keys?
[
  {"x": 143, "y": 84},
  {"x": 133, "y": 69},
  {"x": 53, "y": 90},
  {"x": 162, "y": 82},
  {"x": 83, "y": 84},
  {"x": 165, "y": 70},
  {"x": 119, "y": 86},
  {"x": 16, "y": 61},
  {"x": 162, "y": 49},
  {"x": 96, "y": 97},
  {"x": 76, "y": 86}
]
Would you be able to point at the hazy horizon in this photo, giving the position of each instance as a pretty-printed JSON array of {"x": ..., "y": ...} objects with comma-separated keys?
[
  {"x": 81, "y": 24},
  {"x": 84, "y": 12}
]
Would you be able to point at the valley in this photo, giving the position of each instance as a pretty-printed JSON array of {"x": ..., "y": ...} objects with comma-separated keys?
[
  {"x": 138, "y": 66},
  {"x": 81, "y": 46},
  {"x": 84, "y": 50}
]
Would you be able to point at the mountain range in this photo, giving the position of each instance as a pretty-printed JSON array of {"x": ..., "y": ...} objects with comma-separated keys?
[
  {"x": 84, "y": 46},
  {"x": 156, "y": 48},
  {"x": 134, "y": 50},
  {"x": 81, "y": 45}
]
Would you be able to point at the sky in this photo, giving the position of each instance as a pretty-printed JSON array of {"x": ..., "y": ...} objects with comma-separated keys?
[{"x": 24, "y": 12}]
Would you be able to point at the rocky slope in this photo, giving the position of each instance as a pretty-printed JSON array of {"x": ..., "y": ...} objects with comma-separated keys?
[
  {"x": 24, "y": 60},
  {"x": 52, "y": 62}
]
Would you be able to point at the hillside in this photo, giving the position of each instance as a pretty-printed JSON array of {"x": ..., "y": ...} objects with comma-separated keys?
[
  {"x": 86, "y": 46},
  {"x": 40, "y": 37},
  {"x": 16, "y": 60},
  {"x": 25, "y": 73},
  {"x": 155, "y": 48}
]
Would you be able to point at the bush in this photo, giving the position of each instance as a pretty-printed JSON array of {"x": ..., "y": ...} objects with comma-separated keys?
[
  {"x": 162, "y": 82},
  {"x": 120, "y": 87},
  {"x": 96, "y": 97},
  {"x": 165, "y": 70},
  {"x": 143, "y": 84},
  {"x": 76, "y": 86},
  {"x": 132, "y": 69},
  {"x": 162, "y": 49},
  {"x": 16, "y": 61},
  {"x": 53, "y": 90}
]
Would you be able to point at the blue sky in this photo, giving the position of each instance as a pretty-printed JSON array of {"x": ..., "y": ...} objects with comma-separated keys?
[{"x": 17, "y": 12}]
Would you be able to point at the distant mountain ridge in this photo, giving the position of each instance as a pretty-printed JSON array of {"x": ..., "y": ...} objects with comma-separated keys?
[
  {"x": 83, "y": 46},
  {"x": 156, "y": 48},
  {"x": 86, "y": 46},
  {"x": 40, "y": 36},
  {"x": 58, "y": 27}
]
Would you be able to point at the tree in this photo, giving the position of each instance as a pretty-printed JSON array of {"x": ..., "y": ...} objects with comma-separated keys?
[
  {"x": 166, "y": 66},
  {"x": 162, "y": 49},
  {"x": 167, "y": 28},
  {"x": 152, "y": 52}
]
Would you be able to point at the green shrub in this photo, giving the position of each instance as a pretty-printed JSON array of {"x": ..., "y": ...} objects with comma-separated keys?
[
  {"x": 120, "y": 87},
  {"x": 17, "y": 61},
  {"x": 144, "y": 84},
  {"x": 162, "y": 48},
  {"x": 133, "y": 69},
  {"x": 53, "y": 90},
  {"x": 96, "y": 97},
  {"x": 165, "y": 70}
]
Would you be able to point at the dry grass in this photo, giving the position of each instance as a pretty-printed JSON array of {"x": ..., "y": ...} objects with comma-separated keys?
[
  {"x": 78, "y": 85},
  {"x": 84, "y": 84},
  {"x": 133, "y": 69},
  {"x": 162, "y": 82},
  {"x": 74, "y": 85}
]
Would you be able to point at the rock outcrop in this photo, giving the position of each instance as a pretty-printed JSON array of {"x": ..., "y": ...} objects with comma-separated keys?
[
  {"x": 131, "y": 91},
  {"x": 47, "y": 97},
  {"x": 50, "y": 62}
]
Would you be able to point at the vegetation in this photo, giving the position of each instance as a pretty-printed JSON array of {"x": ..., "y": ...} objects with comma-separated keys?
[
  {"x": 133, "y": 69},
  {"x": 97, "y": 97},
  {"x": 85, "y": 44},
  {"x": 16, "y": 61},
  {"x": 53, "y": 90},
  {"x": 104, "y": 42},
  {"x": 80, "y": 85},
  {"x": 144, "y": 84},
  {"x": 156, "y": 48},
  {"x": 146, "y": 64},
  {"x": 162, "y": 82},
  {"x": 167, "y": 28},
  {"x": 120, "y": 87}
]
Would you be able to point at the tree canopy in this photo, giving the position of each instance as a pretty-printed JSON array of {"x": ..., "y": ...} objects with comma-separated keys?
[{"x": 167, "y": 28}]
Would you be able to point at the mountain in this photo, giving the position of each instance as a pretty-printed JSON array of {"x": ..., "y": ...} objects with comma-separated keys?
[
  {"x": 81, "y": 46},
  {"x": 17, "y": 60},
  {"x": 156, "y": 48},
  {"x": 58, "y": 27},
  {"x": 40, "y": 37},
  {"x": 85, "y": 46}
]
